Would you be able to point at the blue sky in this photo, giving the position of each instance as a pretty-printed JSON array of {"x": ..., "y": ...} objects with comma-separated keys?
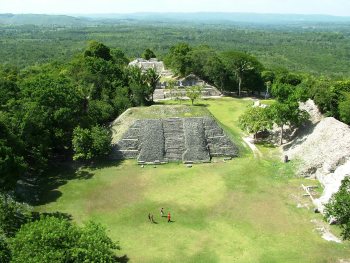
[{"x": 331, "y": 7}]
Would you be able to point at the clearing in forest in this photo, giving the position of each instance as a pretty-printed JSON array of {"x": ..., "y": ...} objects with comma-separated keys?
[{"x": 243, "y": 210}]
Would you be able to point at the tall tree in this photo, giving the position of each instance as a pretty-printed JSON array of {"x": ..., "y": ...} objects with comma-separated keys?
[
  {"x": 255, "y": 119},
  {"x": 152, "y": 78},
  {"x": 177, "y": 58},
  {"x": 286, "y": 113},
  {"x": 194, "y": 93},
  {"x": 242, "y": 65},
  {"x": 148, "y": 54},
  {"x": 99, "y": 50},
  {"x": 91, "y": 143}
]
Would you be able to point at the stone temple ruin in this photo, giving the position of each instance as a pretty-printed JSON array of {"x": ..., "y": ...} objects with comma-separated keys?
[
  {"x": 153, "y": 63},
  {"x": 190, "y": 140}
]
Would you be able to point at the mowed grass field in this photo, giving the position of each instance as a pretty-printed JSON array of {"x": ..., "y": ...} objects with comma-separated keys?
[{"x": 242, "y": 210}]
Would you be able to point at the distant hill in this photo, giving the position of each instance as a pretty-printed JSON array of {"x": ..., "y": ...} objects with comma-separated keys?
[
  {"x": 220, "y": 17},
  {"x": 96, "y": 19},
  {"x": 43, "y": 20}
]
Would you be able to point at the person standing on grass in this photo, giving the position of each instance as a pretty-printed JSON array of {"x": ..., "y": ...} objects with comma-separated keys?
[
  {"x": 161, "y": 212},
  {"x": 152, "y": 220},
  {"x": 169, "y": 217},
  {"x": 149, "y": 217}
]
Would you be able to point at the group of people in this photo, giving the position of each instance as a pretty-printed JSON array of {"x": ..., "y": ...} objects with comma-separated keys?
[{"x": 151, "y": 219}]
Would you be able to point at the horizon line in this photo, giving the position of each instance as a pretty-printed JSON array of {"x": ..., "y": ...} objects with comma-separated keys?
[{"x": 170, "y": 12}]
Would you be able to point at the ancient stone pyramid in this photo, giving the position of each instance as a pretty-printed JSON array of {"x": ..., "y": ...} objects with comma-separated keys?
[{"x": 174, "y": 139}]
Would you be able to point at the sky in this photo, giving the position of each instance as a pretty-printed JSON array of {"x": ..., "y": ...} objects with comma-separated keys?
[{"x": 329, "y": 7}]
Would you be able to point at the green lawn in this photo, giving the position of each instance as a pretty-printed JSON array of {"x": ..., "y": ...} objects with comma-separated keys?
[{"x": 243, "y": 210}]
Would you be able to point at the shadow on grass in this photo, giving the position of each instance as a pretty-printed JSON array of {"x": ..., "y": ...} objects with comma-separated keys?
[
  {"x": 200, "y": 104},
  {"x": 60, "y": 215},
  {"x": 61, "y": 174},
  {"x": 103, "y": 164},
  {"x": 122, "y": 259},
  {"x": 266, "y": 144}
]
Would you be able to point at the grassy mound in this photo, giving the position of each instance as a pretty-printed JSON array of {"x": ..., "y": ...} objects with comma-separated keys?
[{"x": 124, "y": 121}]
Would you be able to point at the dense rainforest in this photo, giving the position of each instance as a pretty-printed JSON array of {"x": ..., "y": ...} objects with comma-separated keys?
[{"x": 318, "y": 48}]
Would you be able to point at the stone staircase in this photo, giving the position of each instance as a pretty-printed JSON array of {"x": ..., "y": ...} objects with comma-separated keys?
[
  {"x": 128, "y": 146},
  {"x": 195, "y": 141},
  {"x": 174, "y": 138},
  {"x": 152, "y": 146},
  {"x": 218, "y": 142}
]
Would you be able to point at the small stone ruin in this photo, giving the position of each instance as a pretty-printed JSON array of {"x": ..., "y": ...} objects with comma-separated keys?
[{"x": 190, "y": 140}]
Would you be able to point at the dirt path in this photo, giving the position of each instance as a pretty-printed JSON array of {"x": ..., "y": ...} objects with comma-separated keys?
[
  {"x": 248, "y": 141},
  {"x": 325, "y": 232}
]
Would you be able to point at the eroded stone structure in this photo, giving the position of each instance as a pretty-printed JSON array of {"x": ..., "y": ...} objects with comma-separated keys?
[{"x": 174, "y": 139}]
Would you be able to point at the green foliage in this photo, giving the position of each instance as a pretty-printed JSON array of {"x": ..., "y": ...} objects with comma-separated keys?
[
  {"x": 282, "y": 91},
  {"x": 194, "y": 93},
  {"x": 246, "y": 69},
  {"x": 177, "y": 58},
  {"x": 285, "y": 77},
  {"x": 91, "y": 143},
  {"x": 255, "y": 119},
  {"x": 339, "y": 208},
  {"x": 119, "y": 57},
  {"x": 268, "y": 76},
  {"x": 151, "y": 79},
  {"x": 321, "y": 48},
  {"x": 5, "y": 253},
  {"x": 12, "y": 163},
  {"x": 99, "y": 112},
  {"x": 148, "y": 54},
  {"x": 142, "y": 85},
  {"x": 327, "y": 94},
  {"x": 286, "y": 113},
  {"x": 8, "y": 91},
  {"x": 207, "y": 64},
  {"x": 12, "y": 215},
  {"x": 344, "y": 109},
  {"x": 94, "y": 245},
  {"x": 52, "y": 239},
  {"x": 40, "y": 107},
  {"x": 98, "y": 50}
]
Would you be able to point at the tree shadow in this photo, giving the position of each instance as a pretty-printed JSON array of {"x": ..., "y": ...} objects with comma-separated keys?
[
  {"x": 201, "y": 105},
  {"x": 122, "y": 259},
  {"x": 300, "y": 135},
  {"x": 60, "y": 215},
  {"x": 101, "y": 164},
  {"x": 265, "y": 144},
  {"x": 61, "y": 174}
]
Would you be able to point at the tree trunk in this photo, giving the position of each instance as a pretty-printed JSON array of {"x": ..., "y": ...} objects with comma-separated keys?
[
  {"x": 267, "y": 92},
  {"x": 239, "y": 86},
  {"x": 281, "y": 139}
]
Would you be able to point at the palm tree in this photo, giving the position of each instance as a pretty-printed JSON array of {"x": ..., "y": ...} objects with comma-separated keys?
[{"x": 151, "y": 78}]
